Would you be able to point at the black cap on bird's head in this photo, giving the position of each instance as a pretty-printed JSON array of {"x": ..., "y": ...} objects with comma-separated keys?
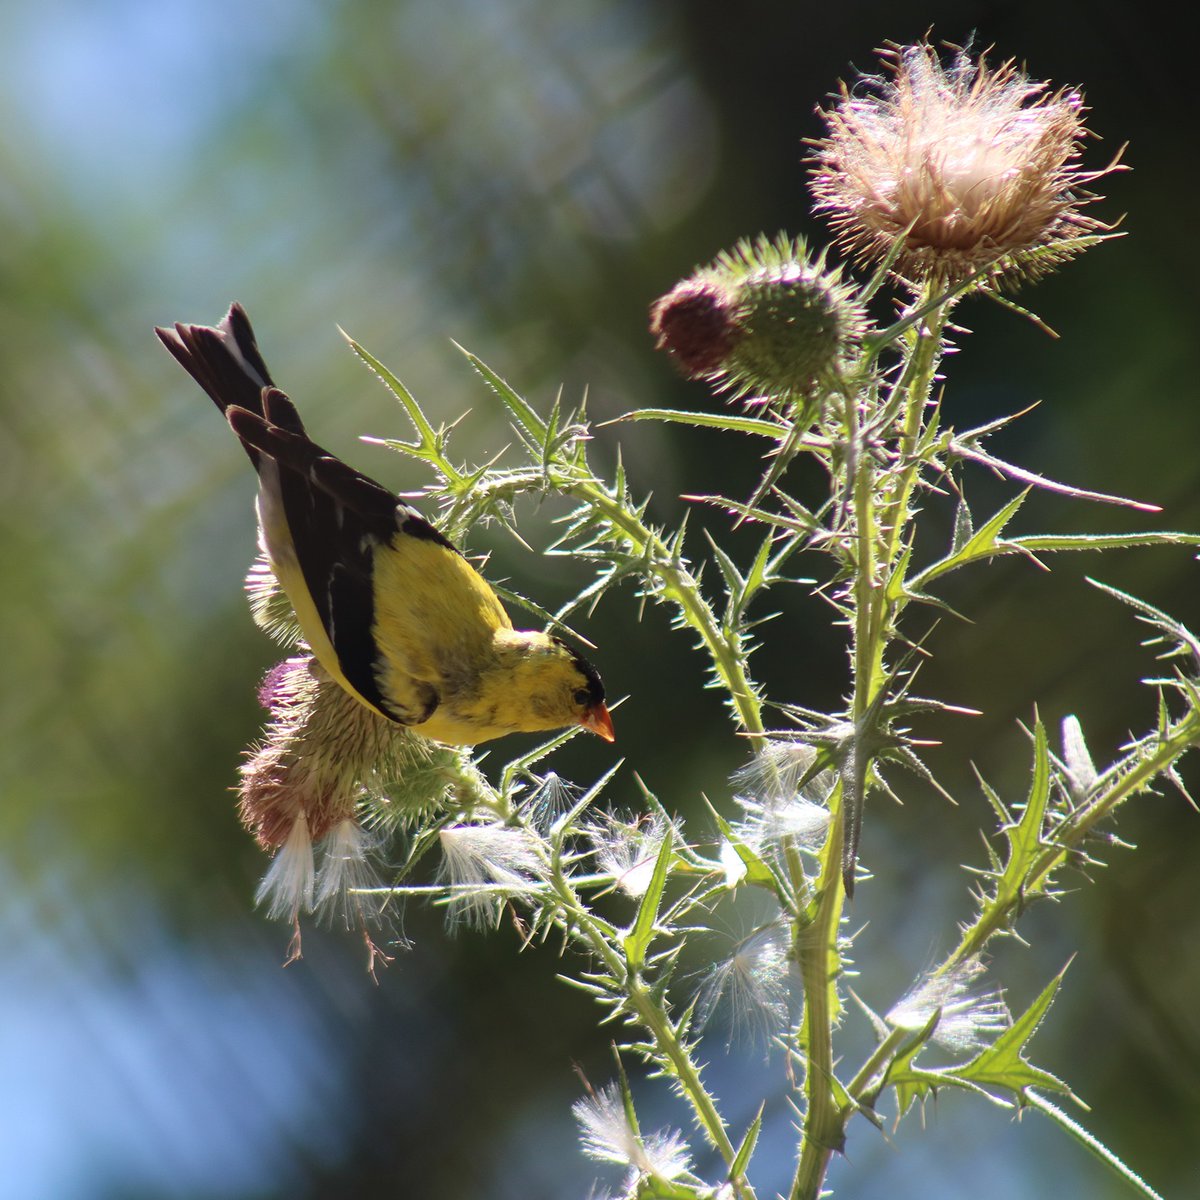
[{"x": 590, "y": 695}]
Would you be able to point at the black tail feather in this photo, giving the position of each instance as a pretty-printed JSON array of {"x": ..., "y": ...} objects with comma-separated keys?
[{"x": 225, "y": 361}]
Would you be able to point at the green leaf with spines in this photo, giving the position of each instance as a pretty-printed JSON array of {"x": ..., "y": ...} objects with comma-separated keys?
[
  {"x": 1003, "y": 1063},
  {"x": 640, "y": 934},
  {"x": 431, "y": 441},
  {"x": 732, "y": 422},
  {"x": 897, "y": 585},
  {"x": 982, "y": 544},
  {"x": 1092, "y": 1144},
  {"x": 1024, "y": 838},
  {"x": 525, "y": 420},
  {"x": 745, "y": 1150},
  {"x": 1045, "y": 543}
]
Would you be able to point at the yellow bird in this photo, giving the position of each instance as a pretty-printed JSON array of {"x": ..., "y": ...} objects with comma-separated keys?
[{"x": 386, "y": 602}]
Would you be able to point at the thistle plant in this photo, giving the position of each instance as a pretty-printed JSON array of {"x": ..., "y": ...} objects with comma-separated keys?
[{"x": 946, "y": 180}]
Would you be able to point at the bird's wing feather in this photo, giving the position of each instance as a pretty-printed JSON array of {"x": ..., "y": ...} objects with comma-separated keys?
[{"x": 400, "y": 607}]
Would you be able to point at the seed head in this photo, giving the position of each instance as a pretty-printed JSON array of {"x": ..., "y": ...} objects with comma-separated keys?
[
  {"x": 609, "y": 1136},
  {"x": 968, "y": 1019},
  {"x": 782, "y": 795},
  {"x": 484, "y": 864},
  {"x": 752, "y": 985},
  {"x": 628, "y": 849},
  {"x": 323, "y": 753},
  {"x": 968, "y": 166}
]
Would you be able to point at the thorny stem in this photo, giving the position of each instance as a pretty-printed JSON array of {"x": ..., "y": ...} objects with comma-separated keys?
[
  {"x": 819, "y": 965},
  {"x": 681, "y": 587},
  {"x": 678, "y": 584},
  {"x": 880, "y": 1057},
  {"x": 878, "y": 545},
  {"x": 921, "y": 368},
  {"x": 576, "y": 919},
  {"x": 997, "y": 914}
]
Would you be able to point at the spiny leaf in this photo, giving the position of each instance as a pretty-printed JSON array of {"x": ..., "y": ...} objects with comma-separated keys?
[
  {"x": 1003, "y": 1063},
  {"x": 800, "y": 521},
  {"x": 897, "y": 582},
  {"x": 525, "y": 419},
  {"x": 425, "y": 431},
  {"x": 730, "y": 421},
  {"x": 763, "y": 570},
  {"x": 993, "y": 798},
  {"x": 1174, "y": 630},
  {"x": 1100, "y": 541},
  {"x": 975, "y": 454},
  {"x": 543, "y": 614},
  {"x": 911, "y": 1082},
  {"x": 640, "y": 934},
  {"x": 983, "y": 543},
  {"x": 734, "y": 582},
  {"x": 1025, "y": 837},
  {"x": 1091, "y": 1143},
  {"x": 741, "y": 1160}
]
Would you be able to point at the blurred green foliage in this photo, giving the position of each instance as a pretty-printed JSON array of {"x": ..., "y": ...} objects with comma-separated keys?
[{"x": 524, "y": 177}]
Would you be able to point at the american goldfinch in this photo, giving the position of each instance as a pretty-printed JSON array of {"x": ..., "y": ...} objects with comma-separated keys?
[{"x": 387, "y": 604}]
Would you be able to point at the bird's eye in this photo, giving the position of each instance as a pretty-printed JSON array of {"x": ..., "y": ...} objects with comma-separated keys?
[{"x": 582, "y": 696}]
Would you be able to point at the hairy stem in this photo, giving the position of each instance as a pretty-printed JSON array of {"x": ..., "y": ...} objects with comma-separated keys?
[
  {"x": 998, "y": 913},
  {"x": 820, "y": 963},
  {"x": 671, "y": 1050},
  {"x": 681, "y": 587},
  {"x": 880, "y": 508}
]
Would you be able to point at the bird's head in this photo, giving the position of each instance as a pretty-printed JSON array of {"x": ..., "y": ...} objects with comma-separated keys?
[{"x": 555, "y": 686}]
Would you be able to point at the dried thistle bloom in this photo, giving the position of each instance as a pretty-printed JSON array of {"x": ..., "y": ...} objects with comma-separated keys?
[
  {"x": 322, "y": 756},
  {"x": 761, "y": 319},
  {"x": 782, "y": 796},
  {"x": 628, "y": 850},
  {"x": 968, "y": 166},
  {"x": 550, "y": 799}
]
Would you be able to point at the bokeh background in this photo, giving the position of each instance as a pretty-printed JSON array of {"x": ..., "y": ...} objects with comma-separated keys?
[{"x": 523, "y": 176}]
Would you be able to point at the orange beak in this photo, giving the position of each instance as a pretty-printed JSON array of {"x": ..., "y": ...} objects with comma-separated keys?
[{"x": 599, "y": 722}]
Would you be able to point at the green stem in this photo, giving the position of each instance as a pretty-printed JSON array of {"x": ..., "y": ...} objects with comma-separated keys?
[
  {"x": 921, "y": 371},
  {"x": 577, "y": 921},
  {"x": 680, "y": 586},
  {"x": 824, "y": 1119},
  {"x": 861, "y": 1085},
  {"x": 997, "y": 914},
  {"x": 880, "y": 520}
]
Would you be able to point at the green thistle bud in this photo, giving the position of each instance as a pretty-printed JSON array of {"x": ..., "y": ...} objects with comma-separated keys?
[{"x": 762, "y": 319}]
